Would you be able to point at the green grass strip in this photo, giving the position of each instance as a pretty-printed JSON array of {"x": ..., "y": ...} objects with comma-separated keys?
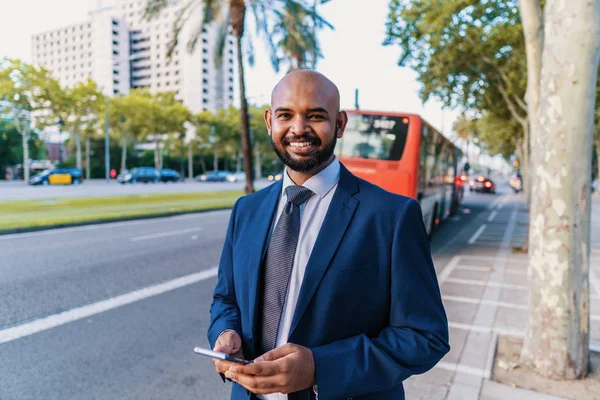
[{"x": 22, "y": 214}]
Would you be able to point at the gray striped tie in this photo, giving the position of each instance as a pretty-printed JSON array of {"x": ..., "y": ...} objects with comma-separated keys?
[{"x": 278, "y": 264}]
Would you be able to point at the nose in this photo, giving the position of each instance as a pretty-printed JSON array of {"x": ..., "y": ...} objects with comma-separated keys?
[{"x": 299, "y": 125}]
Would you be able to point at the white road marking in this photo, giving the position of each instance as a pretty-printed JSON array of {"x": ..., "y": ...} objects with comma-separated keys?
[
  {"x": 492, "y": 216},
  {"x": 65, "y": 317},
  {"x": 478, "y": 372},
  {"x": 471, "y": 300},
  {"x": 477, "y": 234},
  {"x": 164, "y": 234},
  {"x": 448, "y": 270},
  {"x": 486, "y": 283},
  {"x": 594, "y": 281}
]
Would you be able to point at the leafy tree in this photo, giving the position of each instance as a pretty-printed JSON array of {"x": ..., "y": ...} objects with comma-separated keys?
[
  {"x": 19, "y": 87},
  {"x": 232, "y": 14},
  {"x": 11, "y": 146},
  {"x": 129, "y": 119},
  {"x": 467, "y": 53}
]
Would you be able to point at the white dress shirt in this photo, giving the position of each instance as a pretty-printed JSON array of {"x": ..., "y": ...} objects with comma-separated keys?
[{"x": 312, "y": 214}]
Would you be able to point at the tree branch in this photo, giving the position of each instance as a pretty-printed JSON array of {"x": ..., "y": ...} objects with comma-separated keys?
[
  {"x": 520, "y": 103},
  {"x": 511, "y": 106}
]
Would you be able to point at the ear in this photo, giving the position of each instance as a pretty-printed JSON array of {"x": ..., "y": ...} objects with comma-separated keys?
[
  {"x": 268, "y": 115},
  {"x": 341, "y": 122}
]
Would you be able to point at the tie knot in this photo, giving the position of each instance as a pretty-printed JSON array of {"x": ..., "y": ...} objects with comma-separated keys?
[{"x": 298, "y": 194}]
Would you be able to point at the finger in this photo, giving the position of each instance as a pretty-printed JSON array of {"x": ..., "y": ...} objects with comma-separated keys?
[
  {"x": 258, "y": 384},
  {"x": 277, "y": 353},
  {"x": 223, "y": 366},
  {"x": 266, "y": 368}
]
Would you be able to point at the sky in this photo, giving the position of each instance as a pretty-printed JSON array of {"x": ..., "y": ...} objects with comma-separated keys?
[{"x": 354, "y": 57}]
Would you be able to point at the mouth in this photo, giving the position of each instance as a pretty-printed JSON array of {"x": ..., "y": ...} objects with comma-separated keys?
[{"x": 302, "y": 146}]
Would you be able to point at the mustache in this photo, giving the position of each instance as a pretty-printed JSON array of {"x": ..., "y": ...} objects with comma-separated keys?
[{"x": 307, "y": 137}]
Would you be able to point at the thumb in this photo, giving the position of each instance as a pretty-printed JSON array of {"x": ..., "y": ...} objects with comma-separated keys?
[{"x": 276, "y": 353}]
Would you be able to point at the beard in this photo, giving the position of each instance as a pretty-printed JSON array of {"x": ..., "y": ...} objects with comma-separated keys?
[{"x": 306, "y": 163}]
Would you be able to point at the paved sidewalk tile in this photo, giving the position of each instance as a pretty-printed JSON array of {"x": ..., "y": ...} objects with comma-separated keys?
[{"x": 485, "y": 293}]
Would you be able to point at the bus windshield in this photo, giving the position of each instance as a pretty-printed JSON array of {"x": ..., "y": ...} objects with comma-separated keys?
[{"x": 378, "y": 137}]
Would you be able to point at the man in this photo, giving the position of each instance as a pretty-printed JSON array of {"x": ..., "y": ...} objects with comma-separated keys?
[{"x": 325, "y": 280}]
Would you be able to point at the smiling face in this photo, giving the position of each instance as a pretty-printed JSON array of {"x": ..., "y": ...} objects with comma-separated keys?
[{"x": 304, "y": 121}]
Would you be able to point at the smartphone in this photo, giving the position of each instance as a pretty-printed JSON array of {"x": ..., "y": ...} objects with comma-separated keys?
[{"x": 220, "y": 356}]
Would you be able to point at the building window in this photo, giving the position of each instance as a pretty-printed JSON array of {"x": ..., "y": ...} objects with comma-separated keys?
[
  {"x": 204, "y": 51},
  {"x": 205, "y": 100},
  {"x": 158, "y": 84},
  {"x": 115, "y": 43},
  {"x": 115, "y": 23},
  {"x": 204, "y": 71},
  {"x": 204, "y": 90},
  {"x": 115, "y": 33},
  {"x": 204, "y": 61},
  {"x": 115, "y": 52},
  {"x": 205, "y": 81},
  {"x": 204, "y": 40},
  {"x": 168, "y": 83}
]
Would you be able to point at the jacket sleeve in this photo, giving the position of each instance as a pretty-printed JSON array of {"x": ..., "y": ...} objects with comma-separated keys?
[
  {"x": 417, "y": 335},
  {"x": 224, "y": 311}
]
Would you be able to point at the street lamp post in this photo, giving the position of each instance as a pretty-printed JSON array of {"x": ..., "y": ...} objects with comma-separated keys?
[
  {"x": 106, "y": 144},
  {"x": 61, "y": 124},
  {"x": 182, "y": 137}
]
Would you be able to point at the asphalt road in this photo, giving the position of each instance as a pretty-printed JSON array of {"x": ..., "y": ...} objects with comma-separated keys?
[
  {"x": 17, "y": 190},
  {"x": 129, "y": 337}
]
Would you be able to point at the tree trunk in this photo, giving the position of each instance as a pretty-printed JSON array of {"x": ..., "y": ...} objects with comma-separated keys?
[
  {"x": 88, "y": 173},
  {"x": 190, "y": 162},
  {"x": 237, "y": 25},
  {"x": 25, "y": 135},
  {"x": 597, "y": 143},
  {"x": 216, "y": 159},
  {"x": 78, "y": 156},
  {"x": 557, "y": 339},
  {"x": 124, "y": 154},
  {"x": 257, "y": 161},
  {"x": 156, "y": 153}
]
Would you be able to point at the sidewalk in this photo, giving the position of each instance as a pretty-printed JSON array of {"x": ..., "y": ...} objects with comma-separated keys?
[{"x": 485, "y": 292}]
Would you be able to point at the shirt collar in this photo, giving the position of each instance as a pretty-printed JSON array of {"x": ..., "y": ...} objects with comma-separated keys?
[{"x": 321, "y": 183}]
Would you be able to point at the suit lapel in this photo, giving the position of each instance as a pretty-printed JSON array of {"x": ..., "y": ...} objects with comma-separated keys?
[
  {"x": 332, "y": 231},
  {"x": 261, "y": 222}
]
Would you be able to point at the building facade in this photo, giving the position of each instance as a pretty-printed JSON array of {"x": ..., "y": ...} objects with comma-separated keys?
[{"x": 119, "y": 49}]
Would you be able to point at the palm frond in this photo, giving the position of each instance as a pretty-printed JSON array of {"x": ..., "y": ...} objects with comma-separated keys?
[{"x": 153, "y": 8}]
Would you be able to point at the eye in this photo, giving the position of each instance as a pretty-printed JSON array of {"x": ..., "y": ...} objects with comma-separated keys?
[
  {"x": 284, "y": 116},
  {"x": 317, "y": 116}
]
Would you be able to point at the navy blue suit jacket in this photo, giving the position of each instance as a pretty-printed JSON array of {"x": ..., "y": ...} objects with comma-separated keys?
[{"x": 369, "y": 307}]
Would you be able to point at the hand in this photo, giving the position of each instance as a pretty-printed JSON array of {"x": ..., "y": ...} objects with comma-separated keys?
[
  {"x": 286, "y": 369},
  {"x": 228, "y": 342}
]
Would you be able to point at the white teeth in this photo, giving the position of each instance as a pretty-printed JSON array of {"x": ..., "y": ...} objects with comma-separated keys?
[{"x": 297, "y": 144}]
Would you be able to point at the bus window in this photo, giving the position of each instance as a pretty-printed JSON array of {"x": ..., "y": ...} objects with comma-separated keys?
[{"x": 376, "y": 137}]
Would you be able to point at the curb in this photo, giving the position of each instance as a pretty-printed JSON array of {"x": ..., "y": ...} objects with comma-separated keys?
[{"x": 106, "y": 221}]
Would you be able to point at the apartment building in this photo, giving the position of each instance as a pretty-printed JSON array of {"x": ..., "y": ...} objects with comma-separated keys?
[{"x": 120, "y": 50}]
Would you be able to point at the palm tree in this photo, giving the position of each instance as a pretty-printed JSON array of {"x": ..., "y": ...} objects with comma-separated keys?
[{"x": 232, "y": 14}]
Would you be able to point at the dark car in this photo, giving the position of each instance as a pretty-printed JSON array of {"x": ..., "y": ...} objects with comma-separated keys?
[
  {"x": 214, "y": 176},
  {"x": 58, "y": 176},
  {"x": 482, "y": 184},
  {"x": 141, "y": 174},
  {"x": 169, "y": 175}
]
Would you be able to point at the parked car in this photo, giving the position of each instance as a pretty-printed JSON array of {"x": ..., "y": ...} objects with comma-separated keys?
[
  {"x": 482, "y": 184},
  {"x": 213, "y": 176},
  {"x": 58, "y": 176},
  {"x": 237, "y": 176},
  {"x": 169, "y": 175},
  {"x": 276, "y": 177},
  {"x": 141, "y": 174}
]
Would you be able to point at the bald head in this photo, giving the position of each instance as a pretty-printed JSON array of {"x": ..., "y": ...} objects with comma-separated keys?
[{"x": 306, "y": 84}]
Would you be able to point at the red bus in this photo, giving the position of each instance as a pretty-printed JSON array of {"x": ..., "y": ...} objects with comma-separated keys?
[{"x": 404, "y": 154}]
